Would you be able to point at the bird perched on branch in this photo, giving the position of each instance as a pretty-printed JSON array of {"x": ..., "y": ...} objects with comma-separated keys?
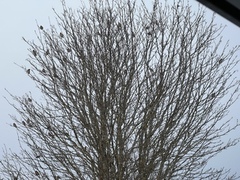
[
  {"x": 61, "y": 35},
  {"x": 34, "y": 52},
  {"x": 36, "y": 173},
  {"x": 14, "y": 125},
  {"x": 47, "y": 52},
  {"x": 23, "y": 122},
  {"x": 220, "y": 61}
]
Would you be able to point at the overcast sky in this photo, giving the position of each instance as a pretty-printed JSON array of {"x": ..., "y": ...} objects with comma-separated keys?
[{"x": 18, "y": 19}]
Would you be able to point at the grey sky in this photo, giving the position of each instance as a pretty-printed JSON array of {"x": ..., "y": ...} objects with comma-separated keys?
[{"x": 18, "y": 19}]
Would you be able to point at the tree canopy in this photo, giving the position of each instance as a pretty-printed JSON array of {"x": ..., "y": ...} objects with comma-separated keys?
[{"x": 130, "y": 92}]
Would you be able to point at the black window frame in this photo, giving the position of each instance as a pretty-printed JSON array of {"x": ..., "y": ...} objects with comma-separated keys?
[{"x": 224, "y": 8}]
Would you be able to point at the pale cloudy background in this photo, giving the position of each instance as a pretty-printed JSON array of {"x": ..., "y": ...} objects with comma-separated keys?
[{"x": 19, "y": 19}]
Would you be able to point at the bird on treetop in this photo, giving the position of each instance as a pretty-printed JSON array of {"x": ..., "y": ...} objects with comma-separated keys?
[
  {"x": 41, "y": 27},
  {"x": 28, "y": 71},
  {"x": 61, "y": 35}
]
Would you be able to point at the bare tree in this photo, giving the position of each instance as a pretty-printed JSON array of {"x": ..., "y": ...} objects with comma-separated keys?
[{"x": 129, "y": 93}]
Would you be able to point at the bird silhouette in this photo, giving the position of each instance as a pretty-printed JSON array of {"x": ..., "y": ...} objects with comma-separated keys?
[
  {"x": 220, "y": 61},
  {"x": 149, "y": 33},
  {"x": 28, "y": 121},
  {"x": 119, "y": 26},
  {"x": 47, "y": 52},
  {"x": 14, "y": 125},
  {"x": 213, "y": 95},
  {"x": 34, "y": 52},
  {"x": 36, "y": 173},
  {"x": 50, "y": 134}
]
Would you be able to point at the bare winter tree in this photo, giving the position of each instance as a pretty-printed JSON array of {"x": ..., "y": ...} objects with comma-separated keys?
[{"x": 129, "y": 93}]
